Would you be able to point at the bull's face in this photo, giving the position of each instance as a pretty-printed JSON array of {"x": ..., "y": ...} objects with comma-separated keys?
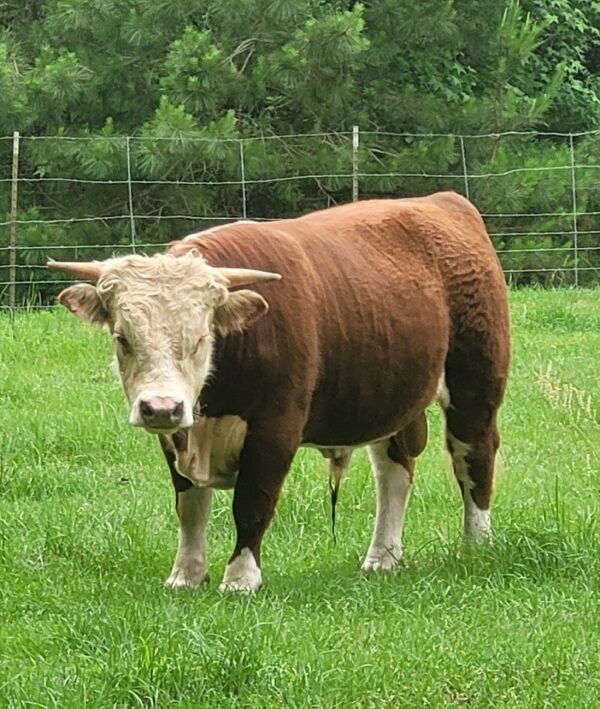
[{"x": 163, "y": 314}]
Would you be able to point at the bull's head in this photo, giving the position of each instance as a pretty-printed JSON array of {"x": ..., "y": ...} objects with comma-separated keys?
[{"x": 163, "y": 313}]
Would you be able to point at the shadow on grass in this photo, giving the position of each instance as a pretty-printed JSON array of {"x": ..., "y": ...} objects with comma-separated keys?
[
  {"x": 520, "y": 556},
  {"x": 517, "y": 554}
]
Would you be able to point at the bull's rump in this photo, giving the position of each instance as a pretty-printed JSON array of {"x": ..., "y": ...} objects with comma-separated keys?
[{"x": 359, "y": 328}]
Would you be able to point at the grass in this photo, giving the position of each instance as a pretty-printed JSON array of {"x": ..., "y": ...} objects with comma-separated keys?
[{"x": 88, "y": 534}]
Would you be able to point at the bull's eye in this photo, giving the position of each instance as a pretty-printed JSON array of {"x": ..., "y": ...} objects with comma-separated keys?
[
  {"x": 201, "y": 340},
  {"x": 121, "y": 341}
]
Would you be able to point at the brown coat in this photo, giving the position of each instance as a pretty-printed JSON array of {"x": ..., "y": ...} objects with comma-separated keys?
[{"x": 380, "y": 301}]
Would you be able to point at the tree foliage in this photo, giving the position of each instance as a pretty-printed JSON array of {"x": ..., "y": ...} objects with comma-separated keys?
[{"x": 176, "y": 75}]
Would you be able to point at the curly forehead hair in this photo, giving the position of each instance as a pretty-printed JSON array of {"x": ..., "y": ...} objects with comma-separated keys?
[{"x": 174, "y": 282}]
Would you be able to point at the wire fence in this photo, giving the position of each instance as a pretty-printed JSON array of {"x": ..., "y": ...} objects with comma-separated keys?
[{"x": 96, "y": 196}]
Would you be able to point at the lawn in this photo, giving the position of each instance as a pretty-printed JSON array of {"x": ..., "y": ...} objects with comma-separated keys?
[{"x": 88, "y": 534}]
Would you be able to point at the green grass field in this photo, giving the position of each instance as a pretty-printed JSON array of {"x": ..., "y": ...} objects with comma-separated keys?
[{"x": 88, "y": 535}]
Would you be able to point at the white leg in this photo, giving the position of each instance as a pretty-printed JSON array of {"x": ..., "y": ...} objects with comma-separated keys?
[
  {"x": 190, "y": 568},
  {"x": 477, "y": 523},
  {"x": 242, "y": 574},
  {"x": 392, "y": 482}
]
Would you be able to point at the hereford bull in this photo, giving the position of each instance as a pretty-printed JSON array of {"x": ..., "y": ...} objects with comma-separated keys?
[{"x": 383, "y": 306}]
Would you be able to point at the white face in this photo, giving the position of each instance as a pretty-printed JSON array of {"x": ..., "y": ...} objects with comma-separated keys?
[
  {"x": 163, "y": 361},
  {"x": 161, "y": 320},
  {"x": 163, "y": 314}
]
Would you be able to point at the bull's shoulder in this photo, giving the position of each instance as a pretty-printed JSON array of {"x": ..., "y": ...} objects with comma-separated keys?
[
  {"x": 195, "y": 240},
  {"x": 241, "y": 243}
]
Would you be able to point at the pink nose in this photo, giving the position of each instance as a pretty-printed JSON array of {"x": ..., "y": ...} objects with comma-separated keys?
[{"x": 161, "y": 412}]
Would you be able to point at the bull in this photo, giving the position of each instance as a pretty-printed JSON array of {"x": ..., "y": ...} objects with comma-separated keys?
[{"x": 333, "y": 330}]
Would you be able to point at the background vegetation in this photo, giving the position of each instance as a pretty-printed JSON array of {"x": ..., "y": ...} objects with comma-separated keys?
[
  {"x": 191, "y": 71},
  {"x": 88, "y": 534}
]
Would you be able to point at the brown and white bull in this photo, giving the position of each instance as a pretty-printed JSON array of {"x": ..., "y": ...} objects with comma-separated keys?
[{"x": 382, "y": 307}]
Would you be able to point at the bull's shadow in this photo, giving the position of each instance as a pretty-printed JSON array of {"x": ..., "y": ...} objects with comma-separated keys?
[{"x": 516, "y": 557}]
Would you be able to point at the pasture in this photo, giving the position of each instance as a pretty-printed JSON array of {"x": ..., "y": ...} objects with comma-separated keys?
[{"x": 88, "y": 535}]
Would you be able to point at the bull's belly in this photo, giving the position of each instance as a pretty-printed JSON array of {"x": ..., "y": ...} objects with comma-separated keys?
[
  {"x": 334, "y": 447},
  {"x": 349, "y": 427},
  {"x": 208, "y": 454},
  {"x": 339, "y": 451},
  {"x": 351, "y": 413}
]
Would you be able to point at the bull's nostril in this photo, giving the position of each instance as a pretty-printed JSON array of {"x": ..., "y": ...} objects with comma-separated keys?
[
  {"x": 177, "y": 412},
  {"x": 146, "y": 408}
]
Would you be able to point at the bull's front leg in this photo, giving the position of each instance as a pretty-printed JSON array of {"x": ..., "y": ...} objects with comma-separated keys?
[
  {"x": 190, "y": 568},
  {"x": 263, "y": 467}
]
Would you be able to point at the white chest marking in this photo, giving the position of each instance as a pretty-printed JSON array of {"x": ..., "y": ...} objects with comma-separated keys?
[
  {"x": 211, "y": 456},
  {"x": 443, "y": 395}
]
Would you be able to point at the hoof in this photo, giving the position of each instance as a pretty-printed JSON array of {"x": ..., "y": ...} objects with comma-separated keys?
[
  {"x": 242, "y": 574},
  {"x": 180, "y": 578},
  {"x": 382, "y": 560}
]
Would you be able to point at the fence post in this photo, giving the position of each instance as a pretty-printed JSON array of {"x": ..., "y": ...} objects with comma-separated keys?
[
  {"x": 355, "y": 146},
  {"x": 243, "y": 176},
  {"x": 464, "y": 164},
  {"x": 574, "y": 196},
  {"x": 131, "y": 217},
  {"x": 12, "y": 253}
]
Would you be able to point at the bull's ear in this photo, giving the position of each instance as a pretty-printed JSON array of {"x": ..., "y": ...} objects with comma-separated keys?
[
  {"x": 83, "y": 301},
  {"x": 241, "y": 309}
]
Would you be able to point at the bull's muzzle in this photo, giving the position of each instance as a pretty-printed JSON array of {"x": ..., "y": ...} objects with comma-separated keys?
[{"x": 161, "y": 413}]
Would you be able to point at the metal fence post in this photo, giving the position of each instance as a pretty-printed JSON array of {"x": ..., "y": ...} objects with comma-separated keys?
[
  {"x": 355, "y": 146},
  {"x": 464, "y": 164},
  {"x": 243, "y": 176},
  {"x": 12, "y": 253},
  {"x": 131, "y": 217},
  {"x": 574, "y": 196}
]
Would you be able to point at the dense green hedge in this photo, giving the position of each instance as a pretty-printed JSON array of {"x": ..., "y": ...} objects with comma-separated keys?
[{"x": 183, "y": 77}]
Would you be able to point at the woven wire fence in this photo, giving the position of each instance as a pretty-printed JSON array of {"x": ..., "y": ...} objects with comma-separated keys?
[{"x": 75, "y": 198}]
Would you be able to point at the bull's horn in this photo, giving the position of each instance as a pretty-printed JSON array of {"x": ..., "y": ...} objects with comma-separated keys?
[
  {"x": 88, "y": 271},
  {"x": 245, "y": 276}
]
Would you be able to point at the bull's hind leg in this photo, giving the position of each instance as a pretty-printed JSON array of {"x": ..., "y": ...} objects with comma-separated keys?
[
  {"x": 472, "y": 440},
  {"x": 393, "y": 462},
  {"x": 476, "y": 370}
]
